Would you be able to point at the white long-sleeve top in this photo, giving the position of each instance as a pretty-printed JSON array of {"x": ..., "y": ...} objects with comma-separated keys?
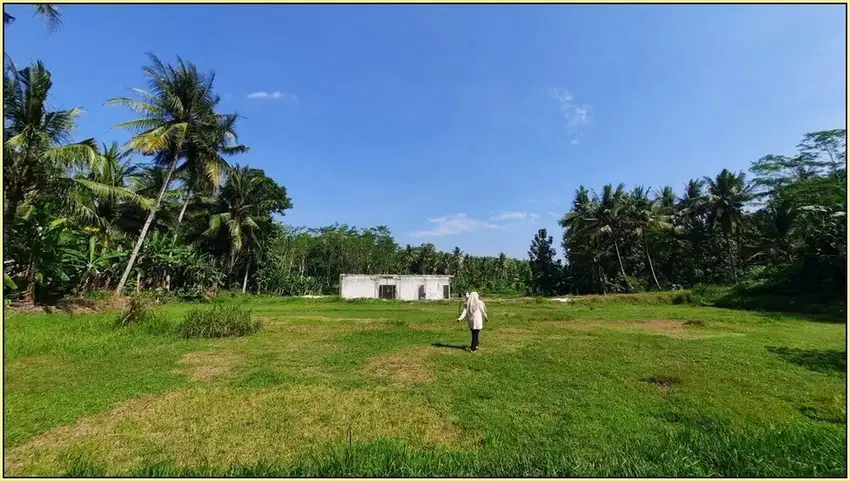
[{"x": 476, "y": 319}]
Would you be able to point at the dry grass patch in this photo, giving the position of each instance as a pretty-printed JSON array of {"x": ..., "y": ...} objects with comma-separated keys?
[
  {"x": 430, "y": 327},
  {"x": 513, "y": 331},
  {"x": 224, "y": 426},
  {"x": 18, "y": 372},
  {"x": 677, "y": 329},
  {"x": 303, "y": 325},
  {"x": 304, "y": 328},
  {"x": 203, "y": 365},
  {"x": 404, "y": 366},
  {"x": 508, "y": 339}
]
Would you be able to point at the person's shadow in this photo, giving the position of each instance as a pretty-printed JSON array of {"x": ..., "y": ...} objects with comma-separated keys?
[{"x": 449, "y": 346}]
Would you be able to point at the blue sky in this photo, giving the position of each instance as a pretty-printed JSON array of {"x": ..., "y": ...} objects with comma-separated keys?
[{"x": 468, "y": 125}]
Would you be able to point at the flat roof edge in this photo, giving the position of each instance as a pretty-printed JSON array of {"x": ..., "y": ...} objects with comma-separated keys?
[{"x": 396, "y": 275}]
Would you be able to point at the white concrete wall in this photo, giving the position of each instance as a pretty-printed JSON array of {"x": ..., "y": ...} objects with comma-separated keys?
[
  {"x": 358, "y": 287},
  {"x": 407, "y": 287}
]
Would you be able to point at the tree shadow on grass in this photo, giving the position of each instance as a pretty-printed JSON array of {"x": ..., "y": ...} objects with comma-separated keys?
[
  {"x": 449, "y": 346},
  {"x": 827, "y": 360}
]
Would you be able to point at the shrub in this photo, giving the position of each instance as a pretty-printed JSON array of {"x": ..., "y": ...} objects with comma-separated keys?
[
  {"x": 218, "y": 321},
  {"x": 137, "y": 311},
  {"x": 190, "y": 293}
]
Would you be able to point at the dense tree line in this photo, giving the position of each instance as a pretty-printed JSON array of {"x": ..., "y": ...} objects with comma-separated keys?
[
  {"x": 169, "y": 210},
  {"x": 783, "y": 230},
  {"x": 311, "y": 260}
]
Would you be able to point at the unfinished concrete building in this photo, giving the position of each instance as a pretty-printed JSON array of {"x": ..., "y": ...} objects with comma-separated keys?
[{"x": 401, "y": 287}]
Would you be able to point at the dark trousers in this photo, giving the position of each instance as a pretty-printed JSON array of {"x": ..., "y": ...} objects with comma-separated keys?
[{"x": 473, "y": 346}]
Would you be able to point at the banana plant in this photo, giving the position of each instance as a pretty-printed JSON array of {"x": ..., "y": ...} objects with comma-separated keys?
[{"x": 93, "y": 263}]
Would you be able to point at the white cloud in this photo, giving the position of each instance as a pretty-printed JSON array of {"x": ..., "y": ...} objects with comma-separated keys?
[
  {"x": 510, "y": 216},
  {"x": 459, "y": 223},
  {"x": 454, "y": 224},
  {"x": 554, "y": 214},
  {"x": 575, "y": 116},
  {"x": 269, "y": 95}
]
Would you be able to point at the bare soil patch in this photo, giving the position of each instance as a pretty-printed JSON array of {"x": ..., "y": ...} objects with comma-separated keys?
[{"x": 664, "y": 383}]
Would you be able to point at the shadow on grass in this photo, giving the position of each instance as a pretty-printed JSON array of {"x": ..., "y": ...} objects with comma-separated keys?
[
  {"x": 813, "y": 359},
  {"x": 449, "y": 346},
  {"x": 813, "y": 307}
]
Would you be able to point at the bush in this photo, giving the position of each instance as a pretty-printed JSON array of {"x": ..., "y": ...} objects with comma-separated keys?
[
  {"x": 136, "y": 312},
  {"x": 218, "y": 321},
  {"x": 190, "y": 293}
]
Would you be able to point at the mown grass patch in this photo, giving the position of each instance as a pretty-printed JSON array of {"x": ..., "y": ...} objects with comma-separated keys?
[{"x": 333, "y": 388}]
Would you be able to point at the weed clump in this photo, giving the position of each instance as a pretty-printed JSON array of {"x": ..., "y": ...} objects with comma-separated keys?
[
  {"x": 218, "y": 321},
  {"x": 136, "y": 312}
]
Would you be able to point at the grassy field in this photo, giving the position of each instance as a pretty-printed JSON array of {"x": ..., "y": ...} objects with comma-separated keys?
[{"x": 601, "y": 387}]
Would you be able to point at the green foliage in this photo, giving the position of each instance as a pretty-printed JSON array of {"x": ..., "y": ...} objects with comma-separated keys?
[
  {"x": 220, "y": 320},
  {"x": 783, "y": 233},
  {"x": 273, "y": 279},
  {"x": 80, "y": 218},
  {"x": 545, "y": 270}
]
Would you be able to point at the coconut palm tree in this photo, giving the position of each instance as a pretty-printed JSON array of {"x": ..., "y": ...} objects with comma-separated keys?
[
  {"x": 580, "y": 211},
  {"x": 645, "y": 215},
  {"x": 244, "y": 208},
  {"x": 177, "y": 110},
  {"x": 46, "y": 11},
  {"x": 725, "y": 199},
  {"x": 609, "y": 219},
  {"x": 205, "y": 164},
  {"x": 726, "y": 196},
  {"x": 37, "y": 147},
  {"x": 104, "y": 190},
  {"x": 666, "y": 200}
]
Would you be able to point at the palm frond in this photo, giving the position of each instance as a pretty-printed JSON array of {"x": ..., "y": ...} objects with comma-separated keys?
[
  {"x": 145, "y": 108},
  {"x": 80, "y": 154},
  {"x": 50, "y": 13}
]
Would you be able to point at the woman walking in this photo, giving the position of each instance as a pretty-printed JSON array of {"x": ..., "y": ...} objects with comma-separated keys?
[{"x": 476, "y": 313}]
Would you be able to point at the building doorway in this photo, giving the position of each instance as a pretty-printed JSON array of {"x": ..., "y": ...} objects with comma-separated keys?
[{"x": 386, "y": 292}]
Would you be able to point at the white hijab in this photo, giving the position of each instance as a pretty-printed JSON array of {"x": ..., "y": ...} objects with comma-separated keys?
[{"x": 474, "y": 303}]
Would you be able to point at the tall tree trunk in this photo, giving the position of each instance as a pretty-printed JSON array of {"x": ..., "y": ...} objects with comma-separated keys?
[
  {"x": 649, "y": 259},
  {"x": 176, "y": 233},
  {"x": 29, "y": 292},
  {"x": 185, "y": 205},
  {"x": 148, "y": 222},
  {"x": 622, "y": 269},
  {"x": 245, "y": 279},
  {"x": 10, "y": 213},
  {"x": 603, "y": 280}
]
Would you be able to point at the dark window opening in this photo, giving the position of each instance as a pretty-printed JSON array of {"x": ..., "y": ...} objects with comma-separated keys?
[
  {"x": 421, "y": 292},
  {"x": 386, "y": 292},
  {"x": 445, "y": 292}
]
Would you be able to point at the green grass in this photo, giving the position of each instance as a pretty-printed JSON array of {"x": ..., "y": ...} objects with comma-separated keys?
[{"x": 605, "y": 386}]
